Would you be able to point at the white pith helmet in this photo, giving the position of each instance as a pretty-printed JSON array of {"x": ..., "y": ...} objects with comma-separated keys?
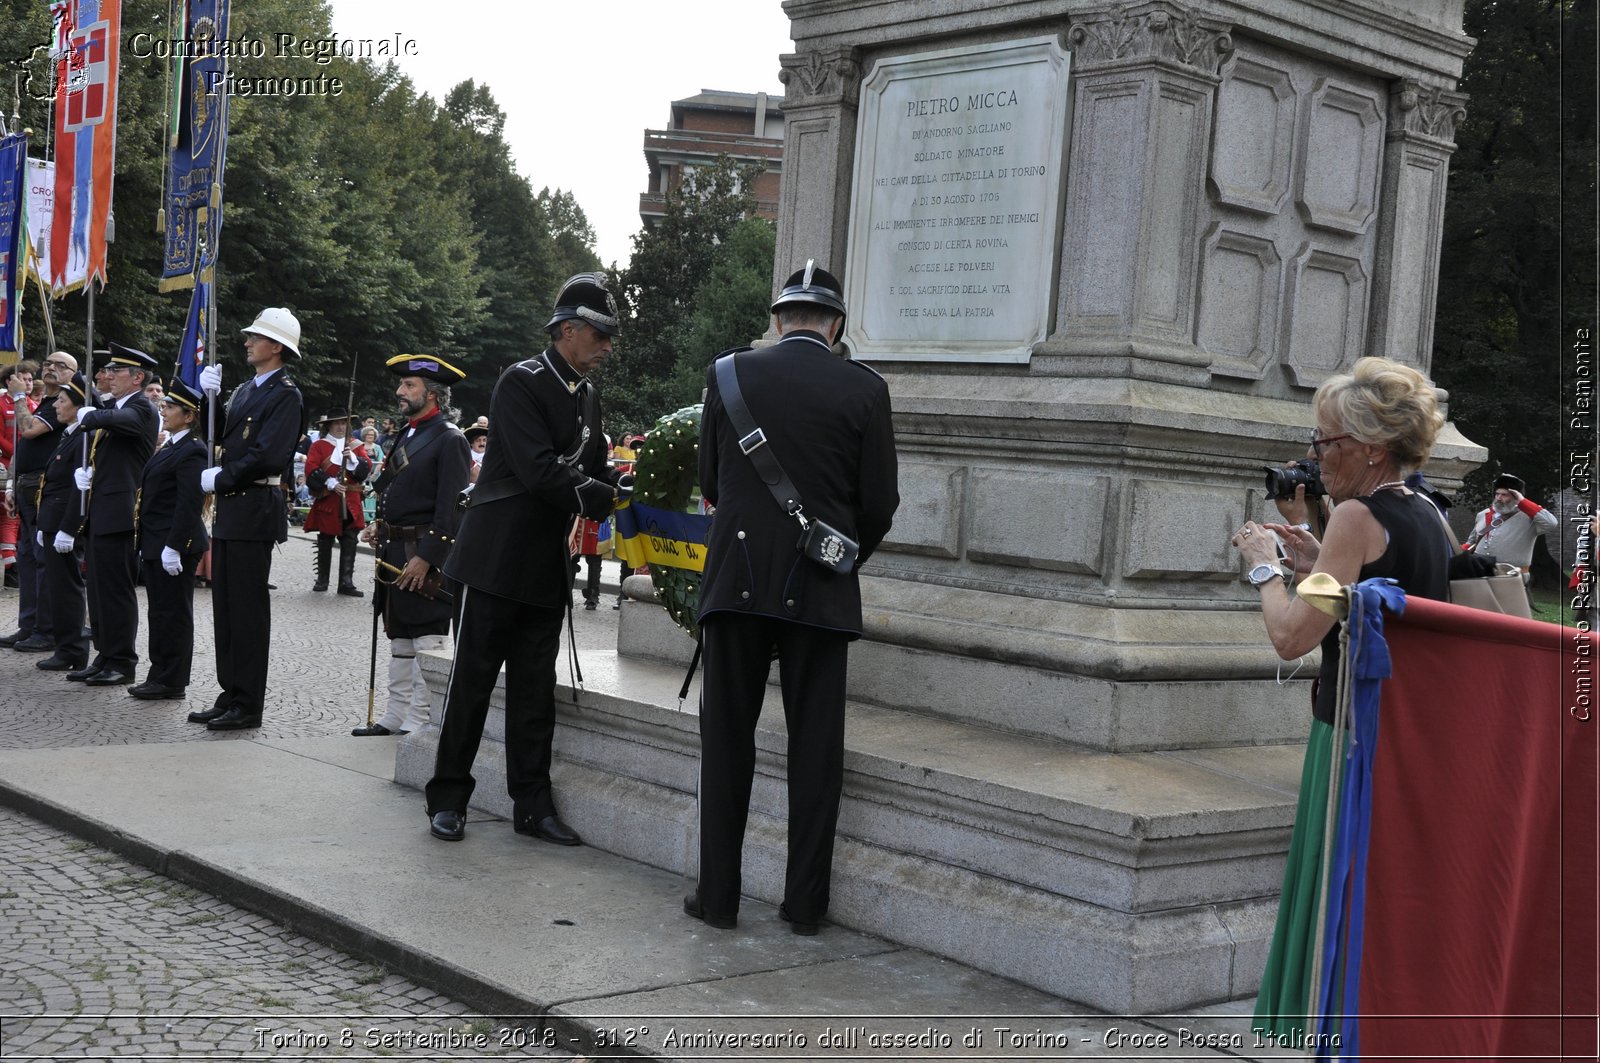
[{"x": 276, "y": 323}]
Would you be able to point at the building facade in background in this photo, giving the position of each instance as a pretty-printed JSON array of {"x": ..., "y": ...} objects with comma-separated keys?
[{"x": 746, "y": 126}]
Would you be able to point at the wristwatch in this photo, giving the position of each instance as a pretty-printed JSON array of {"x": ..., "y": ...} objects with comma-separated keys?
[{"x": 1266, "y": 573}]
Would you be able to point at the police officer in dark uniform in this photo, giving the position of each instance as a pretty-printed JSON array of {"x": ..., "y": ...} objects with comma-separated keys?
[
  {"x": 128, "y": 425},
  {"x": 63, "y": 512},
  {"x": 172, "y": 539},
  {"x": 266, "y": 417},
  {"x": 547, "y": 463},
  {"x": 418, "y": 490},
  {"x": 827, "y": 421}
]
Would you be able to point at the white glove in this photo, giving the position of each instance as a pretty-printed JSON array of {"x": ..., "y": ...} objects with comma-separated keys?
[
  {"x": 83, "y": 478},
  {"x": 63, "y": 543},
  {"x": 38, "y": 537},
  {"x": 171, "y": 561},
  {"x": 208, "y": 479},
  {"x": 86, "y": 417},
  {"x": 351, "y": 461},
  {"x": 211, "y": 379},
  {"x": 333, "y": 483}
]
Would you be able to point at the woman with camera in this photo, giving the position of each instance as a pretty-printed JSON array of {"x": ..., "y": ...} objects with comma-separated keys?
[{"x": 1375, "y": 426}]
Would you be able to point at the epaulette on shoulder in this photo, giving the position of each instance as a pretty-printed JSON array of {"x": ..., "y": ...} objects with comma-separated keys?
[
  {"x": 864, "y": 365},
  {"x": 534, "y": 366},
  {"x": 735, "y": 350}
]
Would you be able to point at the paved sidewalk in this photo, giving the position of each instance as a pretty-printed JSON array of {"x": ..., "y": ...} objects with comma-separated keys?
[{"x": 302, "y": 824}]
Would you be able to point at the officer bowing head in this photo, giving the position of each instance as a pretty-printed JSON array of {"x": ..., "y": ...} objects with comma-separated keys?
[
  {"x": 584, "y": 322},
  {"x": 812, "y": 300}
]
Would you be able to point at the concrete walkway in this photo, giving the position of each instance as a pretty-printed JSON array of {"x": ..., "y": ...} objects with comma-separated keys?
[{"x": 591, "y": 950}]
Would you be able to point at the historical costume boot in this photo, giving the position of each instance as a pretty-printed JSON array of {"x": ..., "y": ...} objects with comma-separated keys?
[
  {"x": 324, "y": 561},
  {"x": 347, "y": 566}
]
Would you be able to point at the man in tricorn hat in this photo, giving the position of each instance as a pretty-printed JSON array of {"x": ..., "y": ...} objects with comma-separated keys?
[
  {"x": 1508, "y": 529},
  {"x": 418, "y": 490},
  {"x": 265, "y": 417},
  {"x": 826, "y": 422},
  {"x": 547, "y": 463},
  {"x": 336, "y": 467},
  {"x": 128, "y": 424}
]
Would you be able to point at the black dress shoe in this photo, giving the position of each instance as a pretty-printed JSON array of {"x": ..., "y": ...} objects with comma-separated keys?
[
  {"x": 804, "y": 929},
  {"x": 350, "y": 590},
  {"x": 235, "y": 719},
  {"x": 550, "y": 829},
  {"x": 56, "y": 663},
  {"x": 376, "y": 730},
  {"x": 449, "y": 825},
  {"x": 319, "y": 587},
  {"x": 12, "y": 639},
  {"x": 207, "y": 715},
  {"x": 109, "y": 677},
  {"x": 82, "y": 673},
  {"x": 691, "y": 906},
  {"x": 589, "y": 605},
  {"x": 155, "y": 692},
  {"x": 35, "y": 644}
]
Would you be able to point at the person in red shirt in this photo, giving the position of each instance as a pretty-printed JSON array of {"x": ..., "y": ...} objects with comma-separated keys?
[
  {"x": 16, "y": 382},
  {"x": 336, "y": 467}
]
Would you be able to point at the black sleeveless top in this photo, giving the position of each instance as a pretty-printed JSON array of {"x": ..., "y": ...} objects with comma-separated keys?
[{"x": 1418, "y": 553}]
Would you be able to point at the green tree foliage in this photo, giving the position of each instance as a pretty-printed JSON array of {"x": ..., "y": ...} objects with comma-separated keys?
[
  {"x": 388, "y": 222},
  {"x": 665, "y": 283},
  {"x": 1517, "y": 266},
  {"x": 731, "y": 306}
]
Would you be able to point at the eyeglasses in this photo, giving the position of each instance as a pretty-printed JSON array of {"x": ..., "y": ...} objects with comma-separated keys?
[{"x": 1318, "y": 444}]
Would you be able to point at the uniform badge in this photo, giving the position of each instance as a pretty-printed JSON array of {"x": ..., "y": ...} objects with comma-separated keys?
[
  {"x": 832, "y": 550},
  {"x": 246, "y": 434}
]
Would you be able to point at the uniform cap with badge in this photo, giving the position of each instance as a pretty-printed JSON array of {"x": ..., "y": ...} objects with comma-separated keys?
[
  {"x": 586, "y": 297},
  {"x": 128, "y": 357},
  {"x": 181, "y": 394},
  {"x": 812, "y": 286}
]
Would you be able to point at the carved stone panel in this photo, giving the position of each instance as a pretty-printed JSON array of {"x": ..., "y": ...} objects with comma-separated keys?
[
  {"x": 1241, "y": 287},
  {"x": 929, "y": 518},
  {"x": 1103, "y": 200},
  {"x": 1254, "y": 143},
  {"x": 1327, "y": 300},
  {"x": 1178, "y": 530},
  {"x": 1044, "y": 519},
  {"x": 1342, "y": 140}
]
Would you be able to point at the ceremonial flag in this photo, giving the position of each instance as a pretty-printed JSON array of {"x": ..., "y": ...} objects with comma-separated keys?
[
  {"x": 192, "y": 208},
  {"x": 86, "y": 138},
  {"x": 41, "y": 221},
  {"x": 13, "y": 239},
  {"x": 647, "y": 535},
  {"x": 192, "y": 351},
  {"x": 1465, "y": 879}
]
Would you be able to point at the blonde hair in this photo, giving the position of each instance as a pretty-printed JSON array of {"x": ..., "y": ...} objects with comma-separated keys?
[{"x": 1386, "y": 404}]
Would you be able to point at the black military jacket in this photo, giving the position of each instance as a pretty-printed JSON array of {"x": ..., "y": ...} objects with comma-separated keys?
[
  {"x": 422, "y": 478},
  {"x": 258, "y": 438},
  {"x": 828, "y": 422},
  {"x": 170, "y": 499},
  {"x": 62, "y": 507},
  {"x": 546, "y": 462},
  {"x": 127, "y": 439}
]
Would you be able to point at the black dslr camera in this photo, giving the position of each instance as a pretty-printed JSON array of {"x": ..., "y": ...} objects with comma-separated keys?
[{"x": 1282, "y": 480}]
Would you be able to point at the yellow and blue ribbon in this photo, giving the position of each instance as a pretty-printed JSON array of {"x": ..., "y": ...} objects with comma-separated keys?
[{"x": 645, "y": 535}]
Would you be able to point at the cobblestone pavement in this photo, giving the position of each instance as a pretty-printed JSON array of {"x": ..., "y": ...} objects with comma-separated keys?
[
  {"x": 104, "y": 958},
  {"x": 317, "y": 686}
]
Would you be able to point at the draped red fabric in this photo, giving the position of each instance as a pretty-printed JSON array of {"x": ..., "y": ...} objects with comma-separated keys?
[{"x": 1481, "y": 889}]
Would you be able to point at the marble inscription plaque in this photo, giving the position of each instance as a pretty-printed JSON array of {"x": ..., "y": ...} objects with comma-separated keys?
[{"x": 956, "y": 202}]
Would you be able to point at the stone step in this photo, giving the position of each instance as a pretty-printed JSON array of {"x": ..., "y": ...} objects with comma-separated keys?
[{"x": 1133, "y": 882}]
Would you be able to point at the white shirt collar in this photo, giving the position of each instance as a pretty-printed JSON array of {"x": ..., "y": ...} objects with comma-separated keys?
[{"x": 179, "y": 434}]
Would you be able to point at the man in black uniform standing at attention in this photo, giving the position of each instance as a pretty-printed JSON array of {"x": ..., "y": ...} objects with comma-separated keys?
[
  {"x": 265, "y": 418},
  {"x": 548, "y": 462},
  {"x": 827, "y": 422},
  {"x": 422, "y": 478},
  {"x": 128, "y": 425}
]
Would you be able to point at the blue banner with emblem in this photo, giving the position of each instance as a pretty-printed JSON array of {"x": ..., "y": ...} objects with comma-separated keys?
[
  {"x": 197, "y": 143},
  {"x": 192, "y": 349},
  {"x": 13, "y": 239},
  {"x": 645, "y": 535}
]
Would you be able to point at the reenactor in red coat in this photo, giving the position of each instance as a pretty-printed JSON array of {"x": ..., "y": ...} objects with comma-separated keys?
[{"x": 336, "y": 467}]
